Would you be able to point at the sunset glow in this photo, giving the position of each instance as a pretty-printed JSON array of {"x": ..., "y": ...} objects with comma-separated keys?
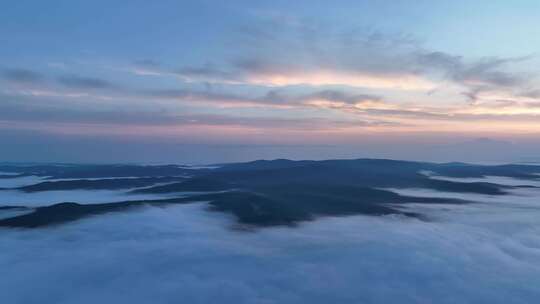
[{"x": 267, "y": 74}]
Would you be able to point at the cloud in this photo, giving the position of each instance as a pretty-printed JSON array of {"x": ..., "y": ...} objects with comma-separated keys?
[
  {"x": 275, "y": 74},
  {"x": 273, "y": 98},
  {"x": 147, "y": 67},
  {"x": 331, "y": 96},
  {"x": 309, "y": 54},
  {"x": 369, "y": 109},
  {"x": 532, "y": 94},
  {"x": 185, "y": 252},
  {"x": 206, "y": 73},
  {"x": 22, "y": 76},
  {"x": 331, "y": 78},
  {"x": 44, "y": 113},
  {"x": 47, "y": 198},
  {"x": 484, "y": 75},
  {"x": 200, "y": 96},
  {"x": 324, "y": 56},
  {"x": 351, "y": 90},
  {"x": 163, "y": 125},
  {"x": 415, "y": 69},
  {"x": 80, "y": 82},
  {"x": 147, "y": 63}
]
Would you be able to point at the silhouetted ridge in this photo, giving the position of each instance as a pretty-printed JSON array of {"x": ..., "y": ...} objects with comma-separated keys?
[
  {"x": 99, "y": 184},
  {"x": 279, "y": 192},
  {"x": 191, "y": 185},
  {"x": 268, "y": 207}
]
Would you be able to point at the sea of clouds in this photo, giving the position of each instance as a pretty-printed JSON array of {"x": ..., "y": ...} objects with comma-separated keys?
[
  {"x": 14, "y": 197},
  {"x": 487, "y": 252},
  {"x": 19, "y": 181}
]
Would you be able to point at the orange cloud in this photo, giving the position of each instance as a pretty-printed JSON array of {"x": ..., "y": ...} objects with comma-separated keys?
[{"x": 399, "y": 82}]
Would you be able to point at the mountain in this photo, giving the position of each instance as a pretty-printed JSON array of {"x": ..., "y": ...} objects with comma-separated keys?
[{"x": 266, "y": 193}]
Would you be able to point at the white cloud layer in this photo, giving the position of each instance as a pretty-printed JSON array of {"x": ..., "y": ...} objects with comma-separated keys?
[
  {"x": 478, "y": 253},
  {"x": 19, "y": 181},
  {"x": 46, "y": 198}
]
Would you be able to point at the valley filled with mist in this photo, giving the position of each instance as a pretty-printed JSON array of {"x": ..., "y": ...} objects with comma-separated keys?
[{"x": 280, "y": 231}]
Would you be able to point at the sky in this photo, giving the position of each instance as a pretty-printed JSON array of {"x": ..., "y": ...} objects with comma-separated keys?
[{"x": 218, "y": 81}]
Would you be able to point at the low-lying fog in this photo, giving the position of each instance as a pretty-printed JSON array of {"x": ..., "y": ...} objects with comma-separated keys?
[
  {"x": 14, "y": 197},
  {"x": 46, "y": 198},
  {"x": 487, "y": 252},
  {"x": 19, "y": 181}
]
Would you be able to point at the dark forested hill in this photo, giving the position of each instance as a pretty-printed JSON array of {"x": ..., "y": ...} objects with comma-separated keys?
[{"x": 262, "y": 193}]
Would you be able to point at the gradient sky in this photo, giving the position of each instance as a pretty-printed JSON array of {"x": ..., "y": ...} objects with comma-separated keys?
[{"x": 212, "y": 81}]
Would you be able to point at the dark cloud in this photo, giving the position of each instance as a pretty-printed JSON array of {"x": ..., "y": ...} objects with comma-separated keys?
[
  {"x": 486, "y": 72},
  {"x": 22, "y": 76},
  {"x": 448, "y": 116},
  {"x": 439, "y": 60},
  {"x": 31, "y": 112},
  {"x": 80, "y": 82},
  {"x": 276, "y": 97},
  {"x": 206, "y": 72},
  {"x": 194, "y": 95},
  {"x": 271, "y": 98},
  {"x": 149, "y": 63},
  {"x": 531, "y": 93},
  {"x": 341, "y": 96},
  {"x": 484, "y": 75},
  {"x": 258, "y": 65}
]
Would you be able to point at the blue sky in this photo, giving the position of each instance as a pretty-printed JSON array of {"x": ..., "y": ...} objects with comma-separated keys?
[{"x": 204, "y": 74}]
